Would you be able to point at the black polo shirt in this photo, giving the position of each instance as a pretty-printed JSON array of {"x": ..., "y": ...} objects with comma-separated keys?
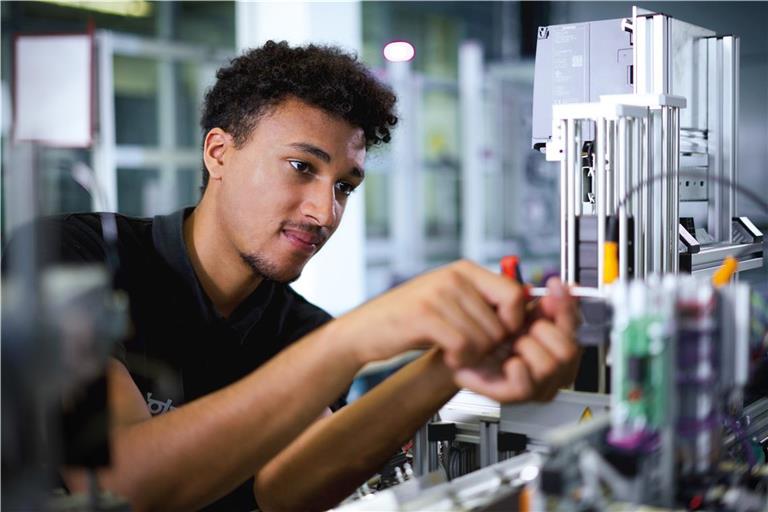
[{"x": 181, "y": 348}]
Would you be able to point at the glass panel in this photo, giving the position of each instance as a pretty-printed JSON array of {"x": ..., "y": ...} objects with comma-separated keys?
[
  {"x": 188, "y": 134},
  {"x": 60, "y": 193},
  {"x": 441, "y": 201},
  {"x": 136, "y": 111},
  {"x": 441, "y": 162},
  {"x": 210, "y": 23},
  {"x": 377, "y": 204},
  {"x": 149, "y": 192},
  {"x": 188, "y": 182},
  {"x": 138, "y": 191},
  {"x": 441, "y": 125},
  {"x": 522, "y": 191}
]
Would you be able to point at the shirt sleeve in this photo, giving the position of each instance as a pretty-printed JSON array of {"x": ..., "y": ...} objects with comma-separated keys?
[{"x": 120, "y": 353}]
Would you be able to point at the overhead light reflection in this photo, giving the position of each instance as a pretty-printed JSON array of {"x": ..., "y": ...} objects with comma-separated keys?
[{"x": 399, "y": 51}]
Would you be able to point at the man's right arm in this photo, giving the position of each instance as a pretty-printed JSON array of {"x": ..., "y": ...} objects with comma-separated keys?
[{"x": 196, "y": 453}]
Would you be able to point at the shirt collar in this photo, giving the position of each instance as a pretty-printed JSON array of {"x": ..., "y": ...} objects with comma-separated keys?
[{"x": 168, "y": 237}]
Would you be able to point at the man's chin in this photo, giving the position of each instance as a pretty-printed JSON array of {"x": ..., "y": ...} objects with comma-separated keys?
[
  {"x": 287, "y": 278},
  {"x": 284, "y": 276},
  {"x": 268, "y": 270}
]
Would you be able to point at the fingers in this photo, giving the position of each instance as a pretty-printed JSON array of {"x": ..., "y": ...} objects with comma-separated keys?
[
  {"x": 483, "y": 315},
  {"x": 504, "y": 294},
  {"x": 457, "y": 351},
  {"x": 559, "y": 306},
  {"x": 541, "y": 365},
  {"x": 563, "y": 346},
  {"x": 558, "y": 343},
  {"x": 509, "y": 383},
  {"x": 544, "y": 359},
  {"x": 453, "y": 294}
]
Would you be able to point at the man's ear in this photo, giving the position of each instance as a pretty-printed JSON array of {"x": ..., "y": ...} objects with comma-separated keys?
[{"x": 217, "y": 144}]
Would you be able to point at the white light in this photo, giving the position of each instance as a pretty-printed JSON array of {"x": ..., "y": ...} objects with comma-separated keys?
[
  {"x": 133, "y": 8},
  {"x": 399, "y": 51},
  {"x": 529, "y": 473}
]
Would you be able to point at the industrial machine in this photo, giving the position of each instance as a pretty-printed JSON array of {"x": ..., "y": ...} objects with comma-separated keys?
[{"x": 641, "y": 113}]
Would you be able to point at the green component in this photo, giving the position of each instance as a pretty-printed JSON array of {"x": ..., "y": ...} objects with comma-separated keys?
[
  {"x": 758, "y": 451},
  {"x": 644, "y": 341}
]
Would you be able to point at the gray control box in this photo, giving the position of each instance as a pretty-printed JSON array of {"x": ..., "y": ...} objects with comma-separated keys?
[{"x": 577, "y": 63}]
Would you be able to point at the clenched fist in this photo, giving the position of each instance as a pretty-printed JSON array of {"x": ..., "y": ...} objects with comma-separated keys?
[
  {"x": 497, "y": 343},
  {"x": 542, "y": 358}
]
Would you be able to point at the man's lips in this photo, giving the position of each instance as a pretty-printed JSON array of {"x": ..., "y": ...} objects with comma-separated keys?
[{"x": 304, "y": 240}]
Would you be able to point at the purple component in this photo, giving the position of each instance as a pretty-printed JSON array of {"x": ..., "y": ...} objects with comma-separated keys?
[
  {"x": 697, "y": 381},
  {"x": 642, "y": 440},
  {"x": 688, "y": 427}
]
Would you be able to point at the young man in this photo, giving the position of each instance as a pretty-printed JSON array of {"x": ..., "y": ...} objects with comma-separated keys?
[{"x": 286, "y": 135}]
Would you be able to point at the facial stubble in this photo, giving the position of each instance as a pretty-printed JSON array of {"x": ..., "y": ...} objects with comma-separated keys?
[{"x": 268, "y": 270}]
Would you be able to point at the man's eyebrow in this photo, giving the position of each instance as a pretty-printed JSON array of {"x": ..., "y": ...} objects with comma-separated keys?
[
  {"x": 356, "y": 171},
  {"x": 313, "y": 150}
]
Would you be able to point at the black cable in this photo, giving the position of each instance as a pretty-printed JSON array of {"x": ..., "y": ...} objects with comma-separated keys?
[{"x": 645, "y": 183}]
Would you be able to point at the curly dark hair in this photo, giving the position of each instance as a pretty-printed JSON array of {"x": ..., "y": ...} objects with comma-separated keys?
[{"x": 323, "y": 76}]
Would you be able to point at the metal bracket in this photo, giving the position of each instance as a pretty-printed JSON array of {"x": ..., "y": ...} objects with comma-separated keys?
[
  {"x": 745, "y": 232},
  {"x": 692, "y": 245}
]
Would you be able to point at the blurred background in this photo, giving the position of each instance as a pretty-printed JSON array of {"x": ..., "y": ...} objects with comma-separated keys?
[{"x": 458, "y": 180}]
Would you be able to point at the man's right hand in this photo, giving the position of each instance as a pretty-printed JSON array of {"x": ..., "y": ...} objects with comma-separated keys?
[{"x": 463, "y": 308}]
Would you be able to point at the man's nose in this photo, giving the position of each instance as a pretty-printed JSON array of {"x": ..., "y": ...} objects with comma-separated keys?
[{"x": 320, "y": 203}]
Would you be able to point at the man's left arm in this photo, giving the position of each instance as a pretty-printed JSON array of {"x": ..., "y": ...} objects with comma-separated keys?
[{"x": 336, "y": 454}]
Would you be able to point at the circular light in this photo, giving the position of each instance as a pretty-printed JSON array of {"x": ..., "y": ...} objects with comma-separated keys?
[{"x": 399, "y": 51}]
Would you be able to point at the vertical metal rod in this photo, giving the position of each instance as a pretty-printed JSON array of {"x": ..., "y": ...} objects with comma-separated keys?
[
  {"x": 645, "y": 220},
  {"x": 715, "y": 137},
  {"x": 600, "y": 126},
  {"x": 104, "y": 159},
  {"x": 665, "y": 189},
  {"x": 636, "y": 203},
  {"x": 623, "y": 156},
  {"x": 735, "y": 101},
  {"x": 615, "y": 179},
  {"x": 493, "y": 442},
  {"x": 672, "y": 220},
  {"x": 672, "y": 236},
  {"x": 675, "y": 190},
  {"x": 578, "y": 181},
  {"x": 572, "y": 142},
  {"x": 668, "y": 143},
  {"x": 563, "y": 200},
  {"x": 610, "y": 169},
  {"x": 650, "y": 197},
  {"x": 485, "y": 441},
  {"x": 640, "y": 220},
  {"x": 421, "y": 448}
]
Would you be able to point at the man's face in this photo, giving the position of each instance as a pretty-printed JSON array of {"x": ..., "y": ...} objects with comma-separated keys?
[{"x": 282, "y": 194}]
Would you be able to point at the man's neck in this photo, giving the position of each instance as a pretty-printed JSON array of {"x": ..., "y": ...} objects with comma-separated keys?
[{"x": 225, "y": 277}]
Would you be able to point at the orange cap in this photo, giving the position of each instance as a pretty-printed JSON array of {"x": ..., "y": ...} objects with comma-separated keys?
[{"x": 724, "y": 274}]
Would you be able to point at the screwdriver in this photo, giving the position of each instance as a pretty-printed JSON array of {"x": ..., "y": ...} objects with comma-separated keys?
[
  {"x": 575, "y": 291},
  {"x": 510, "y": 267}
]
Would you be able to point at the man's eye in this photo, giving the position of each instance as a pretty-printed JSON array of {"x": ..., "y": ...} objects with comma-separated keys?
[
  {"x": 299, "y": 165},
  {"x": 345, "y": 188}
]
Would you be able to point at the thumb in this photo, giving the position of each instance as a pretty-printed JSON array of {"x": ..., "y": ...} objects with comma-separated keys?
[{"x": 559, "y": 306}]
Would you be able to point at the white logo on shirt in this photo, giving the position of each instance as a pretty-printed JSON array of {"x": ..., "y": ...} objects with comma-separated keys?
[{"x": 157, "y": 407}]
